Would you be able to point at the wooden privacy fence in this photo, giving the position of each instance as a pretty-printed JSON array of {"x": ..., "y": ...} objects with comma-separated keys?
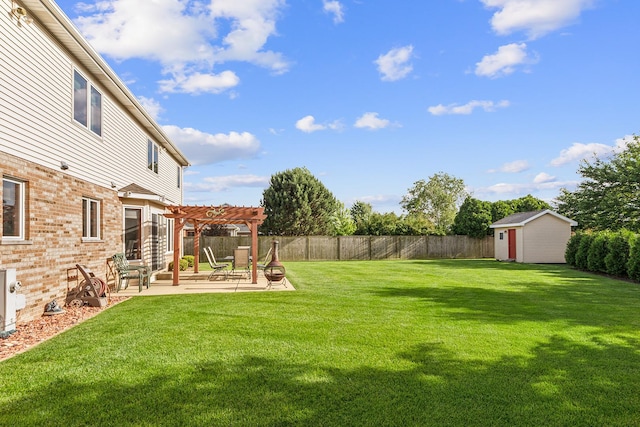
[{"x": 343, "y": 248}]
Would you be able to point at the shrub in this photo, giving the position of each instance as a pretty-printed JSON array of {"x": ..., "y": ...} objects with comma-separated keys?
[
  {"x": 618, "y": 256},
  {"x": 598, "y": 250},
  {"x": 582, "y": 253},
  {"x": 190, "y": 259},
  {"x": 572, "y": 248},
  {"x": 633, "y": 265},
  {"x": 183, "y": 265}
]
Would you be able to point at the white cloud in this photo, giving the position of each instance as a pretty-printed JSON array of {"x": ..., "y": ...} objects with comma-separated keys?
[
  {"x": 394, "y": 65},
  {"x": 371, "y": 121},
  {"x": 488, "y": 106},
  {"x": 152, "y": 106},
  {"x": 543, "y": 177},
  {"x": 308, "y": 124},
  {"x": 184, "y": 37},
  {"x": 205, "y": 148},
  {"x": 335, "y": 8},
  {"x": 516, "y": 166},
  {"x": 527, "y": 187},
  {"x": 504, "y": 61},
  {"x": 535, "y": 17},
  {"x": 225, "y": 183},
  {"x": 579, "y": 151},
  {"x": 200, "y": 83}
]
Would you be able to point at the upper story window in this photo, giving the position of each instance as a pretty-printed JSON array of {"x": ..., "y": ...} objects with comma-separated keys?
[
  {"x": 13, "y": 209},
  {"x": 179, "y": 176},
  {"x": 87, "y": 104},
  {"x": 90, "y": 219},
  {"x": 152, "y": 156}
]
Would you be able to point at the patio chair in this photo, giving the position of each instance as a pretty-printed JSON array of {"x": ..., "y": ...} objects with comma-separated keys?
[
  {"x": 215, "y": 266},
  {"x": 241, "y": 261},
  {"x": 127, "y": 271}
]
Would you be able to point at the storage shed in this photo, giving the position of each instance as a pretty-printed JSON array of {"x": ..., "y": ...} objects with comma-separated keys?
[{"x": 532, "y": 237}]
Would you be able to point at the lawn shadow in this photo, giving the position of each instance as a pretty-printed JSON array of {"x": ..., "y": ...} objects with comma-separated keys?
[
  {"x": 561, "y": 383},
  {"x": 545, "y": 293}
]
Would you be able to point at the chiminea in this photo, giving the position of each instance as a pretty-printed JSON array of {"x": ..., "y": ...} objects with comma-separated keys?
[{"x": 274, "y": 271}]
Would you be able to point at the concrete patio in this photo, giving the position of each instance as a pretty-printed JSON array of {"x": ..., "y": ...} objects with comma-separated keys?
[{"x": 193, "y": 283}]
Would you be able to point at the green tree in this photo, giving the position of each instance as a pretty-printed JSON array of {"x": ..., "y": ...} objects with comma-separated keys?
[
  {"x": 342, "y": 223},
  {"x": 383, "y": 224},
  {"x": 609, "y": 195},
  {"x": 415, "y": 225},
  {"x": 361, "y": 215},
  {"x": 438, "y": 199},
  {"x": 473, "y": 218},
  {"x": 500, "y": 209},
  {"x": 298, "y": 204},
  {"x": 529, "y": 203}
]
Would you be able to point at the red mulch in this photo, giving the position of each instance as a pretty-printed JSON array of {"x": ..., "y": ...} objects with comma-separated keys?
[{"x": 36, "y": 331}]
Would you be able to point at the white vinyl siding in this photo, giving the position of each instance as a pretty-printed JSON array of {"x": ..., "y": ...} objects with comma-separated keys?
[
  {"x": 545, "y": 240},
  {"x": 34, "y": 68}
]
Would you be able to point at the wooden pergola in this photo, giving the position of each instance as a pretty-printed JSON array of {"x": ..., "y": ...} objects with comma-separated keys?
[{"x": 200, "y": 216}]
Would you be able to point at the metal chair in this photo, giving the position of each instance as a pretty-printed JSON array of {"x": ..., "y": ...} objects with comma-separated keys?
[
  {"x": 127, "y": 271},
  {"x": 241, "y": 261},
  {"x": 215, "y": 266}
]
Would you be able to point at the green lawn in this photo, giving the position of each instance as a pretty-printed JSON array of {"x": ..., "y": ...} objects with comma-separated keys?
[{"x": 385, "y": 343}]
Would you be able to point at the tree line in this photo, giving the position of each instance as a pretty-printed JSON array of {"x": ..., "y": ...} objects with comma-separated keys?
[
  {"x": 298, "y": 204},
  {"x": 608, "y": 198}
]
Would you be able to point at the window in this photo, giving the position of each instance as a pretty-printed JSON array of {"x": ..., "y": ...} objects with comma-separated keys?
[
  {"x": 90, "y": 219},
  {"x": 179, "y": 176},
  {"x": 501, "y": 236},
  {"x": 13, "y": 209},
  {"x": 85, "y": 99},
  {"x": 152, "y": 156},
  {"x": 133, "y": 233}
]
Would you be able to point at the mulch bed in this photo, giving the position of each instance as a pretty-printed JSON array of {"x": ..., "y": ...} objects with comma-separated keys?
[{"x": 29, "y": 334}]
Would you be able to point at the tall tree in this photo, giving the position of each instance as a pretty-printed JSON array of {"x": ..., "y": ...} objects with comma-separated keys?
[
  {"x": 298, "y": 204},
  {"x": 609, "y": 195},
  {"x": 361, "y": 214},
  {"x": 438, "y": 199},
  {"x": 342, "y": 224},
  {"x": 473, "y": 218}
]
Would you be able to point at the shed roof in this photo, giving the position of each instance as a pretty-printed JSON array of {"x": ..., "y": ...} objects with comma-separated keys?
[{"x": 521, "y": 218}]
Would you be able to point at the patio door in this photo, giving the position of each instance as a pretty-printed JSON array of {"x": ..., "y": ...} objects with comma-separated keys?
[{"x": 512, "y": 243}]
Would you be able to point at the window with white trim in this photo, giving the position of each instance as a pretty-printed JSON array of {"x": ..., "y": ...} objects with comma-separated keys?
[
  {"x": 179, "y": 176},
  {"x": 90, "y": 219},
  {"x": 152, "y": 156},
  {"x": 87, "y": 104},
  {"x": 13, "y": 209}
]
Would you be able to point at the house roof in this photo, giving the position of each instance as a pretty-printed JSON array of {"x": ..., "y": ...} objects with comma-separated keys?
[
  {"x": 49, "y": 15},
  {"x": 135, "y": 191},
  {"x": 521, "y": 218}
]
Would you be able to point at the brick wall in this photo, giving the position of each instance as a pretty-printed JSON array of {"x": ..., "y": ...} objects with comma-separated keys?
[{"x": 54, "y": 233}]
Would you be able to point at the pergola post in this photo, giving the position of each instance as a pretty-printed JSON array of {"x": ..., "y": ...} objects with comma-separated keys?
[
  {"x": 177, "y": 249},
  {"x": 253, "y": 226}
]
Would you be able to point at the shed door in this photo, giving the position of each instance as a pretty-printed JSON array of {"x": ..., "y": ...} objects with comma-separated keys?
[{"x": 512, "y": 243}]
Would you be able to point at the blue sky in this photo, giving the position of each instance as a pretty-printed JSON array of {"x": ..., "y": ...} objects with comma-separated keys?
[{"x": 373, "y": 95}]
